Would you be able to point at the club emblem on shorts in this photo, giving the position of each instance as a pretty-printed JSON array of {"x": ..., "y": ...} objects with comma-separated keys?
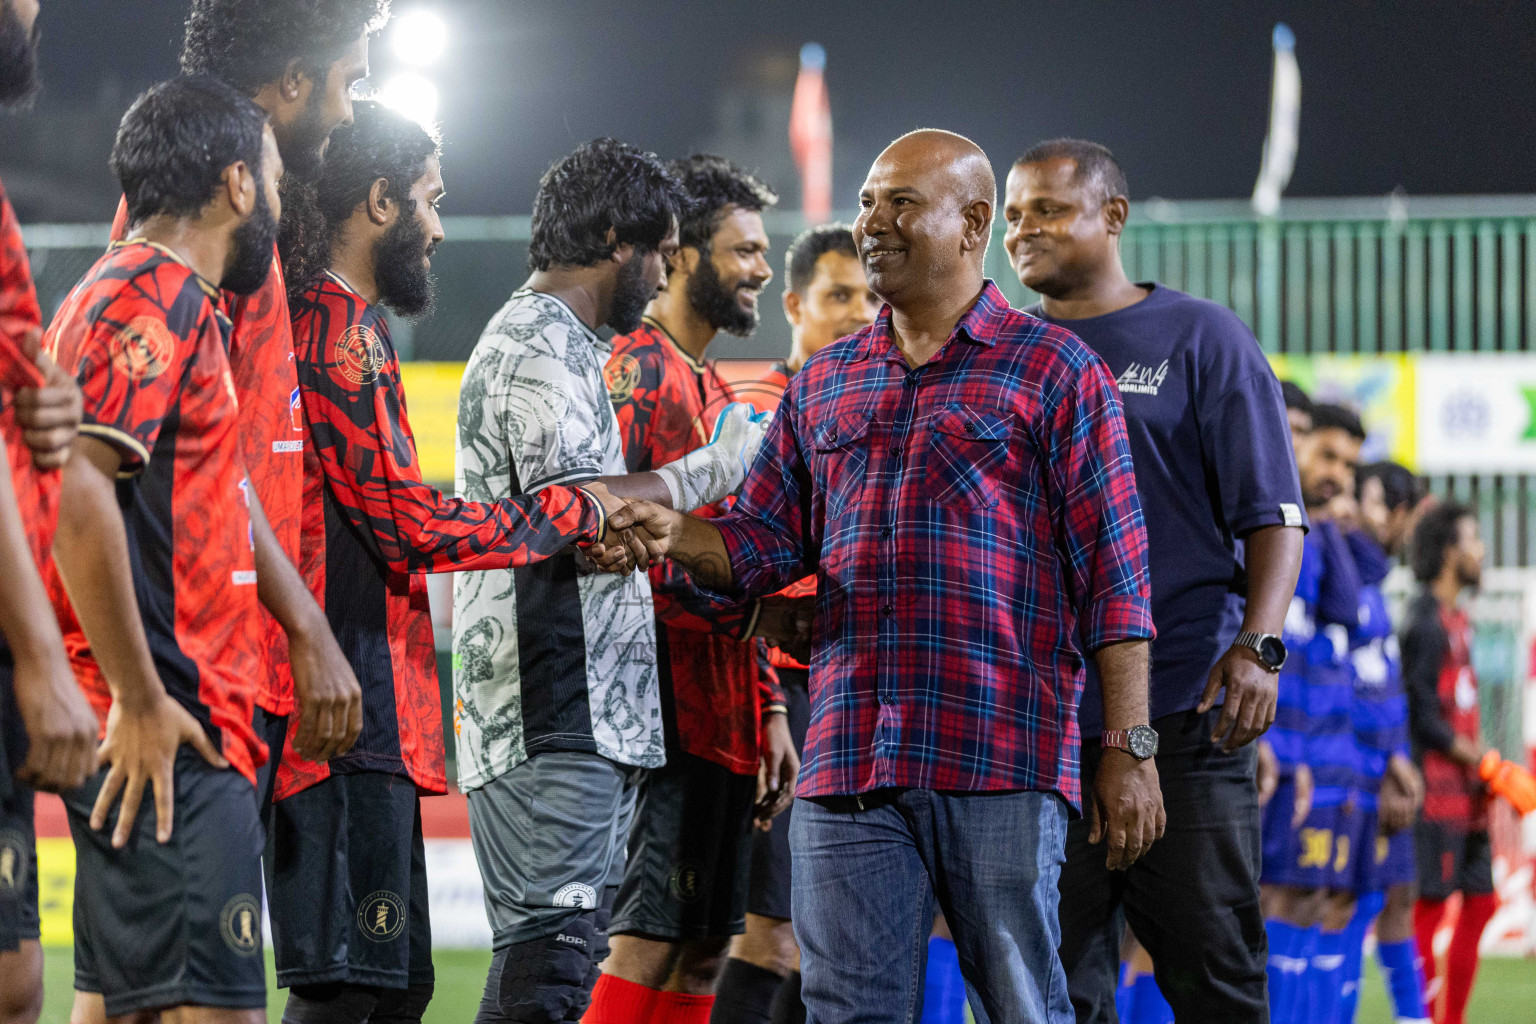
[
  {"x": 576, "y": 894},
  {"x": 622, "y": 375},
  {"x": 358, "y": 356},
  {"x": 240, "y": 923},
  {"x": 685, "y": 881},
  {"x": 381, "y": 917},
  {"x": 13, "y": 861},
  {"x": 143, "y": 348}
]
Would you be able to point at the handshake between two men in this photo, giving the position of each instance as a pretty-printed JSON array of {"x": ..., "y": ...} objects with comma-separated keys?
[{"x": 647, "y": 522}]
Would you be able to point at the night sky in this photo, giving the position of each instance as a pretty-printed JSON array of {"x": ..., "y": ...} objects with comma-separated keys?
[{"x": 1430, "y": 97}]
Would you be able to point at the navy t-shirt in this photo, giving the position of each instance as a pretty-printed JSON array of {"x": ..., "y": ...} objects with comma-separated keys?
[{"x": 1213, "y": 462}]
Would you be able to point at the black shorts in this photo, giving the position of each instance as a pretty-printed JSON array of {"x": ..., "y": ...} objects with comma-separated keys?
[
  {"x": 175, "y": 924},
  {"x": 18, "y": 836},
  {"x": 273, "y": 731},
  {"x": 690, "y": 852},
  {"x": 768, "y": 885},
  {"x": 1452, "y": 860},
  {"x": 347, "y": 884}
]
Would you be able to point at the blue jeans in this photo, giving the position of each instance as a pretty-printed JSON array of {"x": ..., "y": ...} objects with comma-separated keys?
[{"x": 867, "y": 873}]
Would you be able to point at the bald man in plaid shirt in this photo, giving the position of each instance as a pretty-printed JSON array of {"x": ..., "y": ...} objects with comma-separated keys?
[{"x": 958, "y": 477}]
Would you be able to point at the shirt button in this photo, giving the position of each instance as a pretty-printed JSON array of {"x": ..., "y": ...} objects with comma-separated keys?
[
  {"x": 910, "y": 382},
  {"x": 886, "y": 610},
  {"x": 887, "y": 700},
  {"x": 885, "y": 531},
  {"x": 895, "y": 449}
]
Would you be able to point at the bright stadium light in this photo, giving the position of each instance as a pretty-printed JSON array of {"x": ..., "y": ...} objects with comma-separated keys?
[
  {"x": 412, "y": 95},
  {"x": 420, "y": 37}
]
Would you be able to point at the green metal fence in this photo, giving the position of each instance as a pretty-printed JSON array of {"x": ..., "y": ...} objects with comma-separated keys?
[{"x": 1392, "y": 274}]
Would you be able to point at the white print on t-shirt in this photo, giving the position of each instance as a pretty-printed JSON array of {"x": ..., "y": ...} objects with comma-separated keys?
[{"x": 1142, "y": 380}]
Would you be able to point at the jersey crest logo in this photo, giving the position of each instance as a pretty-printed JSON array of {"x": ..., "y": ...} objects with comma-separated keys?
[
  {"x": 240, "y": 923},
  {"x": 622, "y": 375},
  {"x": 381, "y": 917},
  {"x": 358, "y": 356},
  {"x": 143, "y": 348}
]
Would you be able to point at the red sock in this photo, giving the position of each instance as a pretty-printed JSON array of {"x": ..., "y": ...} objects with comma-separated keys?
[
  {"x": 1461, "y": 959},
  {"x": 616, "y": 1001},
  {"x": 1426, "y": 918},
  {"x": 679, "y": 1008}
]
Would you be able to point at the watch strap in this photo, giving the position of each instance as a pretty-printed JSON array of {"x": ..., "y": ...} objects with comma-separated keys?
[
  {"x": 1254, "y": 641},
  {"x": 1116, "y": 739}
]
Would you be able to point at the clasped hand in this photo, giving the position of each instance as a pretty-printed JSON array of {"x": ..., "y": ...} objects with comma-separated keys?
[{"x": 638, "y": 533}]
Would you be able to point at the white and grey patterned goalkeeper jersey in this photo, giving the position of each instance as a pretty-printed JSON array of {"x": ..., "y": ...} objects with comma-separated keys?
[{"x": 552, "y": 656}]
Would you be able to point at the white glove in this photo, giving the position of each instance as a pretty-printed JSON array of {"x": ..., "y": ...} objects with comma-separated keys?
[{"x": 715, "y": 471}]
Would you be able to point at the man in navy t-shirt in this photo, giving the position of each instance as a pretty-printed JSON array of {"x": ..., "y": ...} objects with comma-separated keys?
[{"x": 1217, "y": 477}]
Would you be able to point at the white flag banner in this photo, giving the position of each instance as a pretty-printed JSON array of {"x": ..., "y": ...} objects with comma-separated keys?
[{"x": 1279, "y": 158}]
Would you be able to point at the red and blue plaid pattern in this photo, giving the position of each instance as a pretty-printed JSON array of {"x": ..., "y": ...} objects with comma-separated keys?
[{"x": 974, "y": 527}]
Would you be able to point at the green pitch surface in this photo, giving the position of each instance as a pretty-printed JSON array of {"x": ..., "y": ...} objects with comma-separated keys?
[{"x": 1506, "y": 990}]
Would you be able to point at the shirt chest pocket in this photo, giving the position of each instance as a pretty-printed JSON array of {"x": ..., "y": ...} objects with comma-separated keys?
[
  {"x": 967, "y": 456},
  {"x": 842, "y": 460}
]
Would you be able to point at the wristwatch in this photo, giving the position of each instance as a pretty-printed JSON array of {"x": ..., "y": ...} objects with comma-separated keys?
[
  {"x": 1269, "y": 648},
  {"x": 1140, "y": 741}
]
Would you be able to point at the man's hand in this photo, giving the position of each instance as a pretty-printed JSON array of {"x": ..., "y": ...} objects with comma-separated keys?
[
  {"x": 1302, "y": 781},
  {"x": 1401, "y": 795},
  {"x": 776, "y": 771},
  {"x": 1249, "y": 708},
  {"x": 141, "y": 747},
  {"x": 1126, "y": 807},
  {"x": 785, "y": 622},
  {"x": 1394, "y": 807},
  {"x": 49, "y": 416},
  {"x": 1407, "y": 776},
  {"x": 330, "y": 702},
  {"x": 61, "y": 727},
  {"x": 618, "y": 550},
  {"x": 645, "y": 525}
]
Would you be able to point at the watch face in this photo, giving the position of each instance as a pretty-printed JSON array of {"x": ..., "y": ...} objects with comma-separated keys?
[
  {"x": 1272, "y": 650},
  {"x": 1143, "y": 741}
]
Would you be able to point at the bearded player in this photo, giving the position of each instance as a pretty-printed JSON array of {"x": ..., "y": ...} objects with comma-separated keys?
[
  {"x": 154, "y": 548},
  {"x": 346, "y": 862},
  {"x": 47, "y": 731},
  {"x": 826, "y": 297},
  {"x": 685, "y": 887},
  {"x": 298, "y": 59}
]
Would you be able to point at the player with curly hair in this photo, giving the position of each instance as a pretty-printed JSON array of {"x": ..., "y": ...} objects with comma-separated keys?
[{"x": 685, "y": 886}]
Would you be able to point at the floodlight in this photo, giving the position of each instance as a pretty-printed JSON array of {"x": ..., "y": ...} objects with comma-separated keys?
[
  {"x": 412, "y": 95},
  {"x": 419, "y": 37}
]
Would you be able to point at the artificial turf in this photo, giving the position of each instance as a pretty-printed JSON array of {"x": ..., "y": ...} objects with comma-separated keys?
[{"x": 1505, "y": 992}]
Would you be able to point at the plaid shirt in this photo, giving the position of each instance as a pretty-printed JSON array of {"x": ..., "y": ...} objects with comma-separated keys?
[{"x": 973, "y": 526}]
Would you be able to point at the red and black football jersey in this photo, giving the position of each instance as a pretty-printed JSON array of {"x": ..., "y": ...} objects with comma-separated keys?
[
  {"x": 37, "y": 491},
  {"x": 714, "y": 686},
  {"x": 271, "y": 442},
  {"x": 372, "y": 530},
  {"x": 146, "y": 339}
]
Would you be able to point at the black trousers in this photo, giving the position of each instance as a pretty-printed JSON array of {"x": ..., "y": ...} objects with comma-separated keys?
[{"x": 1192, "y": 900}]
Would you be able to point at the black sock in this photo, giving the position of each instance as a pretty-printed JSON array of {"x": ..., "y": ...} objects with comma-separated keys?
[
  {"x": 329, "y": 1004},
  {"x": 787, "y": 1007},
  {"x": 745, "y": 994}
]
